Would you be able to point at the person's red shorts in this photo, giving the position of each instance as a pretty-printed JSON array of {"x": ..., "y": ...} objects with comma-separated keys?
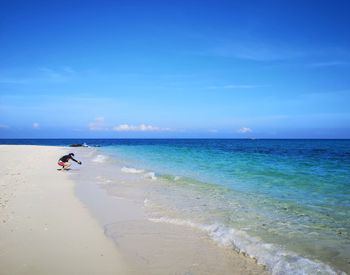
[{"x": 61, "y": 163}]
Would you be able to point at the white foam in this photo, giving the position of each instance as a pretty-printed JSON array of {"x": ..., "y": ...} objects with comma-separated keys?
[
  {"x": 131, "y": 170},
  {"x": 177, "y": 178},
  {"x": 275, "y": 258},
  {"x": 150, "y": 175},
  {"x": 91, "y": 152},
  {"x": 152, "y": 206},
  {"x": 100, "y": 158},
  {"x": 103, "y": 180},
  {"x": 147, "y": 202}
]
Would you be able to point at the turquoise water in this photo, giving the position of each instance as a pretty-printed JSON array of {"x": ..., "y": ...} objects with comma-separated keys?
[{"x": 285, "y": 202}]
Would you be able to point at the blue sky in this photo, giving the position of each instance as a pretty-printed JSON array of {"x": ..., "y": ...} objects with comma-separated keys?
[{"x": 230, "y": 69}]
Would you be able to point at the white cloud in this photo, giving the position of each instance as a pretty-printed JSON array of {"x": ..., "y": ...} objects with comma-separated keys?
[
  {"x": 40, "y": 75},
  {"x": 98, "y": 124},
  {"x": 13, "y": 80},
  {"x": 213, "y": 131},
  {"x": 255, "y": 50},
  {"x": 244, "y": 130},
  {"x": 35, "y": 125},
  {"x": 68, "y": 70},
  {"x": 329, "y": 64},
  {"x": 138, "y": 128},
  {"x": 55, "y": 75},
  {"x": 240, "y": 86},
  {"x": 236, "y": 86}
]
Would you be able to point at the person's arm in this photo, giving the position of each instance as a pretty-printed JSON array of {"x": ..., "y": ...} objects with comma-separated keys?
[{"x": 77, "y": 161}]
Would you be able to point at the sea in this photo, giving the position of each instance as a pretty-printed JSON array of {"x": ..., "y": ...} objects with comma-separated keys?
[{"x": 284, "y": 202}]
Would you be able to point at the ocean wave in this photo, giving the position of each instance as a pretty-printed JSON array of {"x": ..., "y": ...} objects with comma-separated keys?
[
  {"x": 102, "y": 180},
  {"x": 275, "y": 258},
  {"x": 147, "y": 202},
  {"x": 100, "y": 159},
  {"x": 150, "y": 175},
  {"x": 131, "y": 170}
]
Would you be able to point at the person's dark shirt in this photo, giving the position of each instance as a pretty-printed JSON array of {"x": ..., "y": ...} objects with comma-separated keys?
[{"x": 66, "y": 158}]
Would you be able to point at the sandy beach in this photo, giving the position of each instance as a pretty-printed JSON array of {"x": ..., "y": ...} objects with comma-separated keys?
[
  {"x": 47, "y": 229},
  {"x": 44, "y": 228}
]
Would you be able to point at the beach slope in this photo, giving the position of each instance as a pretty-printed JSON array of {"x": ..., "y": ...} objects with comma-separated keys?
[{"x": 44, "y": 228}]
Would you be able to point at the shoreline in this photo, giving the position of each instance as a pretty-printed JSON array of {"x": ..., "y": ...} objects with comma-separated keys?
[
  {"x": 122, "y": 179},
  {"x": 151, "y": 247},
  {"x": 43, "y": 198}
]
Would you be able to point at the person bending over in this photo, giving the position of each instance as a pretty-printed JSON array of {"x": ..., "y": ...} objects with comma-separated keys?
[{"x": 64, "y": 161}]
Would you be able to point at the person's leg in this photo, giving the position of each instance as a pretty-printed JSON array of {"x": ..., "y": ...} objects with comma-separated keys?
[
  {"x": 61, "y": 164},
  {"x": 67, "y": 165}
]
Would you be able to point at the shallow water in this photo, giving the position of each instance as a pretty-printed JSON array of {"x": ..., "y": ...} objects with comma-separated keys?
[{"x": 285, "y": 202}]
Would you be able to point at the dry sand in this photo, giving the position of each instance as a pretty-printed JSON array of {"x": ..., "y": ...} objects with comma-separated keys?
[{"x": 44, "y": 228}]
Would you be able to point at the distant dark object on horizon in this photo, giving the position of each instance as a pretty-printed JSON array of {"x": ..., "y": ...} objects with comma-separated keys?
[{"x": 77, "y": 145}]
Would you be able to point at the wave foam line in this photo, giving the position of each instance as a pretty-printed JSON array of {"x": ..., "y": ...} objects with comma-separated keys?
[
  {"x": 147, "y": 175},
  {"x": 275, "y": 258},
  {"x": 100, "y": 159},
  {"x": 130, "y": 170},
  {"x": 150, "y": 175}
]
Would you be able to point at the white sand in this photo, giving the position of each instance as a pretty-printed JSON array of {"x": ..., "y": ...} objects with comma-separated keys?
[{"x": 44, "y": 228}]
